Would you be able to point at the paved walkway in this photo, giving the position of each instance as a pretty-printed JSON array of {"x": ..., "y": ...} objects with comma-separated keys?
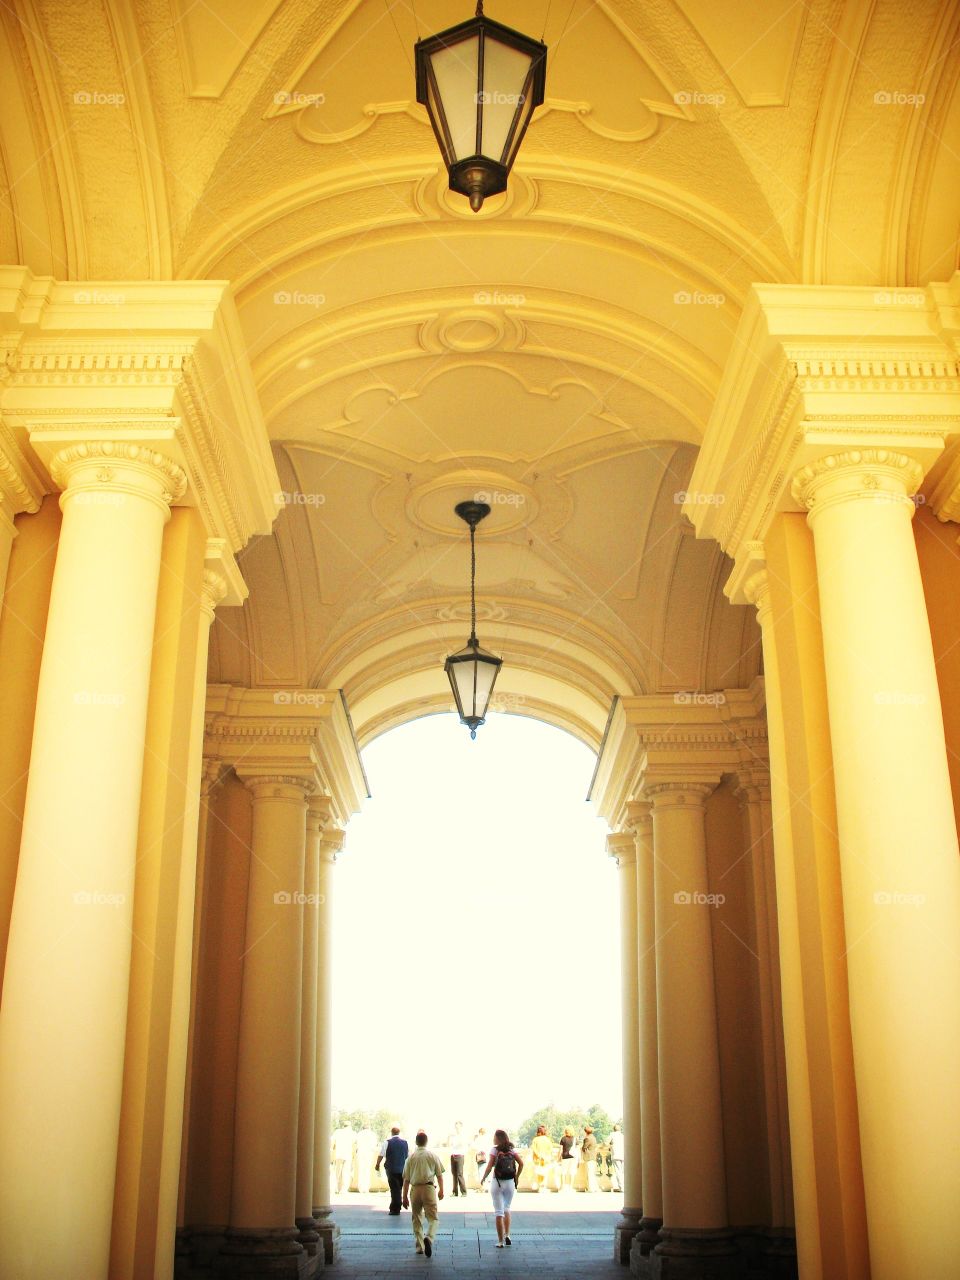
[{"x": 566, "y": 1237}]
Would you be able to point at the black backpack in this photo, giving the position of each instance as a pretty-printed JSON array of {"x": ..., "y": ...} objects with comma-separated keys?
[{"x": 505, "y": 1167}]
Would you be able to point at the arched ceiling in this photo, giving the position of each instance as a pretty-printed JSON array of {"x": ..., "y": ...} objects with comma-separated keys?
[{"x": 560, "y": 351}]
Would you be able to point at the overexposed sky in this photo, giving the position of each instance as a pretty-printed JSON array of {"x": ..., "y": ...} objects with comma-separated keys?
[{"x": 476, "y": 930}]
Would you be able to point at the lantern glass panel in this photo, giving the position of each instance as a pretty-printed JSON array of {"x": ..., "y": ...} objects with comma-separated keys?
[
  {"x": 456, "y": 69},
  {"x": 506, "y": 73}
]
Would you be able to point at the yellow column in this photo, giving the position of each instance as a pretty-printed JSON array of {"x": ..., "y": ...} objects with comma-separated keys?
[
  {"x": 63, "y": 1021},
  {"x": 622, "y": 846},
  {"x": 899, "y": 858},
  {"x": 694, "y": 1241},
  {"x": 754, "y": 796},
  {"x": 331, "y": 842},
  {"x": 8, "y": 531},
  {"x": 652, "y": 1220},
  {"x": 318, "y": 814},
  {"x": 262, "y": 1233}
]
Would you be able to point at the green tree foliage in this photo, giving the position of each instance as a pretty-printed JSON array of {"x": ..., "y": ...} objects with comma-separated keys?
[
  {"x": 379, "y": 1121},
  {"x": 556, "y": 1121}
]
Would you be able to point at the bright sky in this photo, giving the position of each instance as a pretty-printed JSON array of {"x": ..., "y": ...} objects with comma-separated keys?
[{"x": 476, "y": 930}]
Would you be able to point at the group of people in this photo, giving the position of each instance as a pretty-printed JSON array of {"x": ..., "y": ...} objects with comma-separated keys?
[{"x": 416, "y": 1181}]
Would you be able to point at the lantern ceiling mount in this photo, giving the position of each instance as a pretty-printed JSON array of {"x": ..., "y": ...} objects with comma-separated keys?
[
  {"x": 480, "y": 82},
  {"x": 472, "y": 671}
]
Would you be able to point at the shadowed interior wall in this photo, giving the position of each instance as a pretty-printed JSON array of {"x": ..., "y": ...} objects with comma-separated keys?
[
  {"x": 735, "y": 968},
  {"x": 23, "y": 622}
]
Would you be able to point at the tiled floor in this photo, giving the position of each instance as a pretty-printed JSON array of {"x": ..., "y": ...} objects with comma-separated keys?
[{"x": 564, "y": 1237}]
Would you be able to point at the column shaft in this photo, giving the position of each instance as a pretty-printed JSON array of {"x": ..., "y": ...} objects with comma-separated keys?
[
  {"x": 899, "y": 859},
  {"x": 68, "y": 961},
  {"x": 649, "y": 1056},
  {"x": 329, "y": 1232},
  {"x": 263, "y": 1207},
  {"x": 623, "y": 847},
  {"x": 306, "y": 1132}
]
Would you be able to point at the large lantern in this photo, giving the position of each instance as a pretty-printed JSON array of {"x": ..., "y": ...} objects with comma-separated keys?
[{"x": 480, "y": 82}]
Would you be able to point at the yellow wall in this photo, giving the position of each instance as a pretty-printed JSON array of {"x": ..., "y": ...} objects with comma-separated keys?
[
  {"x": 939, "y": 556},
  {"x": 217, "y": 1011},
  {"x": 828, "y": 1175},
  {"x": 168, "y": 792},
  {"x": 23, "y": 621},
  {"x": 735, "y": 967}
]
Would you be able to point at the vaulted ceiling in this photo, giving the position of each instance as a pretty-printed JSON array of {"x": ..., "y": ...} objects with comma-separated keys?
[{"x": 559, "y": 351}]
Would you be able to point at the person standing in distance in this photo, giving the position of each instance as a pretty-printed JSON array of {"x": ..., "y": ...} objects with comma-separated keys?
[
  {"x": 393, "y": 1156},
  {"x": 458, "y": 1154},
  {"x": 506, "y": 1166},
  {"x": 419, "y": 1194},
  {"x": 616, "y": 1157},
  {"x": 588, "y": 1156}
]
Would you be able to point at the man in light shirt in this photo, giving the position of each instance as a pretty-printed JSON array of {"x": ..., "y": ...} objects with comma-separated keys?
[
  {"x": 419, "y": 1194},
  {"x": 616, "y": 1157},
  {"x": 341, "y": 1144}
]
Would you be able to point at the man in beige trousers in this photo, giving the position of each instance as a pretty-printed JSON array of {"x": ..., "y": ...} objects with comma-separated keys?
[{"x": 419, "y": 1194}]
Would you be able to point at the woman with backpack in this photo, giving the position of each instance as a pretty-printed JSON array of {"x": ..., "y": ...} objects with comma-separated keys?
[{"x": 506, "y": 1166}]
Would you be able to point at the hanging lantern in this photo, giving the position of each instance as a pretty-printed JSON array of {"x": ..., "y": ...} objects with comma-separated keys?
[
  {"x": 480, "y": 82},
  {"x": 472, "y": 671}
]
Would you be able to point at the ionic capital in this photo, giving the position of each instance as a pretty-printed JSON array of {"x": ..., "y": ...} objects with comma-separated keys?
[
  {"x": 212, "y": 592},
  {"x": 278, "y": 786},
  {"x": 622, "y": 846},
  {"x": 858, "y": 475},
  {"x": 19, "y": 490},
  {"x": 106, "y": 471}
]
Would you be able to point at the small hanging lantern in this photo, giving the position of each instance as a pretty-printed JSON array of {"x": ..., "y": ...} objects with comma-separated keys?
[{"x": 472, "y": 671}]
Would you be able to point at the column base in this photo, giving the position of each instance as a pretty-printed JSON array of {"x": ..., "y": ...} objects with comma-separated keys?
[
  {"x": 624, "y": 1233},
  {"x": 644, "y": 1243},
  {"x": 264, "y": 1253},
  {"x": 780, "y": 1253},
  {"x": 307, "y": 1235},
  {"x": 196, "y": 1250},
  {"x": 688, "y": 1253},
  {"x": 329, "y": 1234}
]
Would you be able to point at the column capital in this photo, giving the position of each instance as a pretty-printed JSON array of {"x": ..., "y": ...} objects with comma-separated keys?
[
  {"x": 104, "y": 471},
  {"x": 20, "y": 487},
  {"x": 817, "y": 371},
  {"x": 331, "y": 843},
  {"x": 639, "y": 814},
  {"x": 277, "y": 786},
  {"x": 858, "y": 475},
  {"x": 678, "y": 793},
  {"x": 753, "y": 784},
  {"x": 622, "y": 846},
  {"x": 319, "y": 812},
  {"x": 211, "y": 775}
]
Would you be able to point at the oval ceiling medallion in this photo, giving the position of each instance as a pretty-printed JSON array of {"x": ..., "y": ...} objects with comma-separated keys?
[{"x": 512, "y": 505}]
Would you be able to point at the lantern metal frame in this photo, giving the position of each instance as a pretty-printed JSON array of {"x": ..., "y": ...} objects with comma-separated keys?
[
  {"x": 479, "y": 176},
  {"x": 472, "y": 513}
]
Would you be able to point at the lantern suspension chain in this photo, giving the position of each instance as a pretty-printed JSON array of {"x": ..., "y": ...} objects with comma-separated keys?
[
  {"x": 473, "y": 584},
  {"x": 479, "y": 13}
]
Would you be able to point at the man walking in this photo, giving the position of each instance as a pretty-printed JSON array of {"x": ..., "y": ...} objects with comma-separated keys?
[
  {"x": 419, "y": 1195},
  {"x": 342, "y": 1146},
  {"x": 458, "y": 1154},
  {"x": 393, "y": 1155}
]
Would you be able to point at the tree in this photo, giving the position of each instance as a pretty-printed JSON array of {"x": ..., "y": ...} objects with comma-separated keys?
[
  {"x": 379, "y": 1121},
  {"x": 556, "y": 1121}
]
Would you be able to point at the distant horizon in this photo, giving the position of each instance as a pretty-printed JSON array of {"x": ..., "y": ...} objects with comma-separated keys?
[{"x": 513, "y": 895}]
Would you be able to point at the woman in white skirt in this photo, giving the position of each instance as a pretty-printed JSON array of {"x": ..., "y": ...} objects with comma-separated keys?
[{"x": 506, "y": 1166}]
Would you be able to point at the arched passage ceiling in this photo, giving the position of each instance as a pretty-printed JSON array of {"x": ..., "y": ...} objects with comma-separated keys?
[{"x": 560, "y": 351}]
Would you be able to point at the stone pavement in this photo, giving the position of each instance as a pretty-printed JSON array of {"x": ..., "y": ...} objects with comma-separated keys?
[{"x": 569, "y": 1237}]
